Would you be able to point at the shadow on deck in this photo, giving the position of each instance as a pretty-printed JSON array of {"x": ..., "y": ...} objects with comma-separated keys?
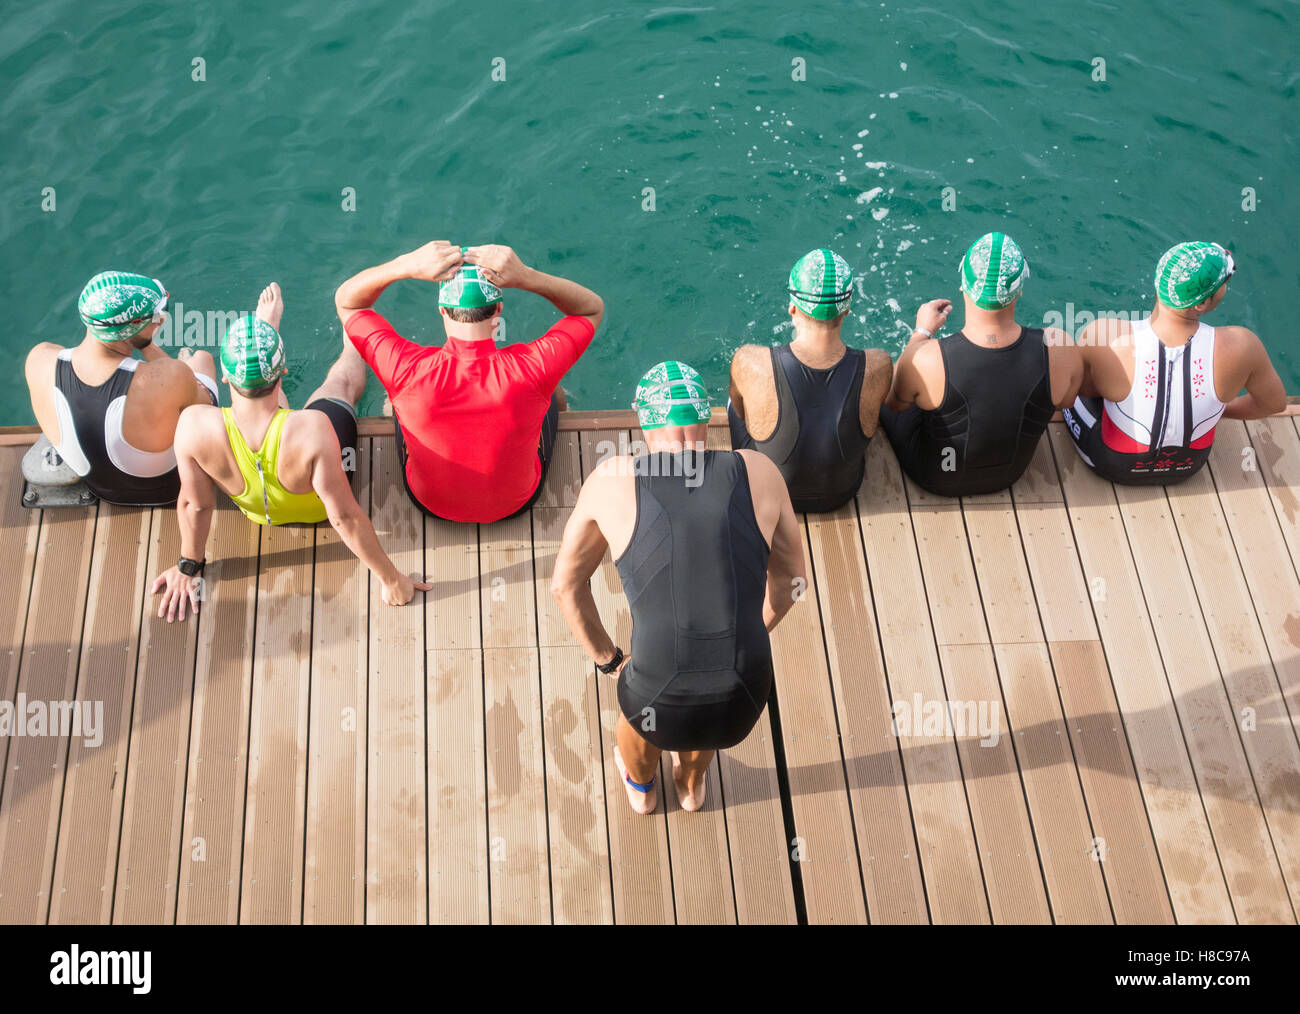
[{"x": 303, "y": 753}]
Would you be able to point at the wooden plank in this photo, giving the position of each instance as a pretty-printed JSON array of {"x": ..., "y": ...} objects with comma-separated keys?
[
  {"x": 751, "y": 793},
  {"x": 1122, "y": 844},
  {"x": 697, "y": 842},
  {"x": 638, "y": 845},
  {"x": 1062, "y": 827},
  {"x": 148, "y": 860},
  {"x": 334, "y": 878},
  {"x": 1257, "y": 708},
  {"x": 1178, "y": 821},
  {"x": 891, "y": 874},
  {"x": 1008, "y": 850},
  {"x": 32, "y": 780},
  {"x": 213, "y": 841},
  {"x": 396, "y": 790},
  {"x": 941, "y": 818},
  {"x": 92, "y": 794},
  {"x": 275, "y": 807},
  {"x": 517, "y": 833},
  {"x": 575, "y": 796},
  {"x": 1209, "y": 725},
  {"x": 1252, "y": 486},
  {"x": 458, "y": 849},
  {"x": 815, "y": 763},
  {"x": 19, "y": 530}
]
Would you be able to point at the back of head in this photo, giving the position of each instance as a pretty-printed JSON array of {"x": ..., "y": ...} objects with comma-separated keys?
[
  {"x": 993, "y": 272},
  {"x": 821, "y": 285},
  {"x": 117, "y": 305},
  {"x": 252, "y": 357},
  {"x": 1190, "y": 274},
  {"x": 468, "y": 297}
]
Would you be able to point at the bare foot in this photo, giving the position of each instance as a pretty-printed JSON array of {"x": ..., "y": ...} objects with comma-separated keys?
[
  {"x": 642, "y": 802},
  {"x": 270, "y": 305},
  {"x": 690, "y": 801}
]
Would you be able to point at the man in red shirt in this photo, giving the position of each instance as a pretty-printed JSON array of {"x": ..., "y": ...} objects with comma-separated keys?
[{"x": 475, "y": 422}]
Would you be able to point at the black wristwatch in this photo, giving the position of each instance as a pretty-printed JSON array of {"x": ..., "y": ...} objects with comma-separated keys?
[
  {"x": 190, "y": 568},
  {"x": 611, "y": 667}
]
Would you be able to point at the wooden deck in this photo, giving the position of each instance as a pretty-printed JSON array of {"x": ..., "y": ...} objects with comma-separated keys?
[{"x": 303, "y": 753}]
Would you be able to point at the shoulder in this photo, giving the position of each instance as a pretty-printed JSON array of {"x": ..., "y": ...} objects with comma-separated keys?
[
  {"x": 1105, "y": 333},
  {"x": 602, "y": 487},
  {"x": 166, "y": 371},
  {"x": 311, "y": 428},
  {"x": 928, "y": 354},
  {"x": 761, "y": 468},
  {"x": 878, "y": 362},
  {"x": 751, "y": 362},
  {"x": 198, "y": 424},
  {"x": 1238, "y": 337},
  {"x": 41, "y": 355}
]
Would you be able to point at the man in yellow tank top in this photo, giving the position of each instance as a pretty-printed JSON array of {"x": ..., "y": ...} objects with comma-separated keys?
[{"x": 279, "y": 466}]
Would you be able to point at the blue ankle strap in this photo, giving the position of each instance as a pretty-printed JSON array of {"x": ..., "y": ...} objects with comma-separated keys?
[{"x": 638, "y": 786}]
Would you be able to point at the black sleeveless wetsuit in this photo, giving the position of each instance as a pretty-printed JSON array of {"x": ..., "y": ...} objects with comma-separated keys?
[
  {"x": 89, "y": 407},
  {"x": 695, "y": 574},
  {"x": 997, "y": 403},
  {"x": 818, "y": 443}
]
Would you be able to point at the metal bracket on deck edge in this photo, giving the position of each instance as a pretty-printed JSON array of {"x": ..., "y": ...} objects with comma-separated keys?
[{"x": 49, "y": 482}]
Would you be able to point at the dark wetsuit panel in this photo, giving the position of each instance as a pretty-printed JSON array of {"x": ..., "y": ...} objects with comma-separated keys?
[
  {"x": 818, "y": 443},
  {"x": 89, "y": 406},
  {"x": 695, "y": 574},
  {"x": 997, "y": 404}
]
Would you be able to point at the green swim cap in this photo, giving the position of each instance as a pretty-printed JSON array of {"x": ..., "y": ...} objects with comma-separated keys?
[
  {"x": 1191, "y": 273},
  {"x": 671, "y": 394},
  {"x": 252, "y": 354},
  {"x": 468, "y": 290},
  {"x": 821, "y": 284},
  {"x": 117, "y": 305},
  {"x": 993, "y": 271}
]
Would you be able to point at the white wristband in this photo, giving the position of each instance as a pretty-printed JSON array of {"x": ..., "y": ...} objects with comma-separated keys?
[{"x": 921, "y": 330}]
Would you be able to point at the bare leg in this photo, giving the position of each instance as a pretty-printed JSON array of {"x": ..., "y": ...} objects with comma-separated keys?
[
  {"x": 562, "y": 396},
  {"x": 689, "y": 771},
  {"x": 639, "y": 760},
  {"x": 270, "y": 305},
  {"x": 203, "y": 365},
  {"x": 346, "y": 379},
  {"x": 270, "y": 308}
]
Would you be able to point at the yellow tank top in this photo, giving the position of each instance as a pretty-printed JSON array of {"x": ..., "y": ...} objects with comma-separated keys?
[{"x": 264, "y": 500}]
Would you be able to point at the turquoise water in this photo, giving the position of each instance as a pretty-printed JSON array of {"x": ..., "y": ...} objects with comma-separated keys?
[{"x": 219, "y": 186}]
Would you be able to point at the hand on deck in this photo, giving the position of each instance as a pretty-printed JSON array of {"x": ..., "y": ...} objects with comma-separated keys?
[
  {"x": 176, "y": 588},
  {"x": 401, "y": 591}
]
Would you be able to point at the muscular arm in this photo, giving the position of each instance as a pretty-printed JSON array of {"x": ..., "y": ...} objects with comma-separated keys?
[
  {"x": 196, "y": 502},
  {"x": 787, "y": 576},
  {"x": 194, "y": 508},
  {"x": 1265, "y": 393},
  {"x": 362, "y": 291},
  {"x": 352, "y": 523},
  {"x": 1065, "y": 363},
  {"x": 433, "y": 262},
  {"x": 581, "y": 550},
  {"x": 877, "y": 378}
]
